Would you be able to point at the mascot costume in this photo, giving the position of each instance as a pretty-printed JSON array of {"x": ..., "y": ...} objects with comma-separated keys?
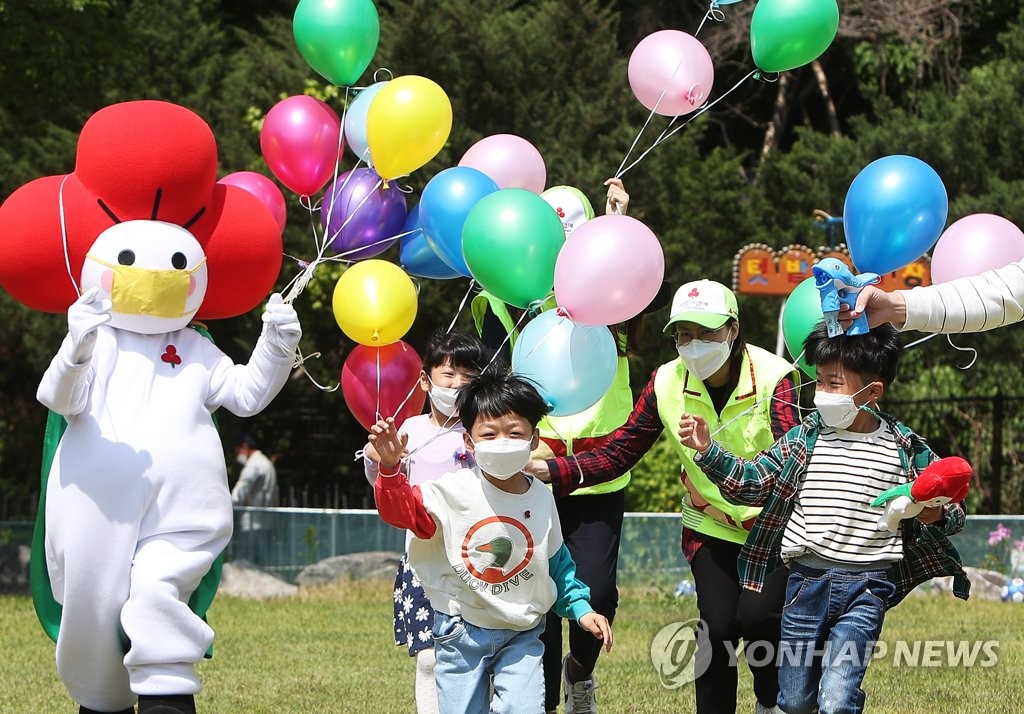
[{"x": 134, "y": 244}]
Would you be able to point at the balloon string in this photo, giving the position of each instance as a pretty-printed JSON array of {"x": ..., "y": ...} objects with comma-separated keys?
[
  {"x": 713, "y": 13},
  {"x": 64, "y": 234},
  {"x": 666, "y": 137},
  {"x": 974, "y": 358},
  {"x": 376, "y": 409},
  {"x": 508, "y": 336},
  {"x": 462, "y": 305},
  {"x": 300, "y": 362}
]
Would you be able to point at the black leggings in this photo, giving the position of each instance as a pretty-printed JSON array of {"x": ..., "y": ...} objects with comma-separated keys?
[
  {"x": 731, "y": 613},
  {"x": 591, "y": 528}
]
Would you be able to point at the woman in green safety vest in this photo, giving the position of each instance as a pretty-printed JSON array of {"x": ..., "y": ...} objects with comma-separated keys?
[{"x": 748, "y": 396}]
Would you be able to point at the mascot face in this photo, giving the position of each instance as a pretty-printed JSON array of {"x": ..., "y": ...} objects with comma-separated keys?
[
  {"x": 154, "y": 273},
  {"x": 143, "y": 218}
]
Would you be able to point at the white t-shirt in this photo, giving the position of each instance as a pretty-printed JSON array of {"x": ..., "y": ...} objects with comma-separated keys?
[{"x": 488, "y": 560}]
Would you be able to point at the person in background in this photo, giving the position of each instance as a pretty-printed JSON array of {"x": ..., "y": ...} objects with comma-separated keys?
[
  {"x": 748, "y": 396},
  {"x": 256, "y": 487},
  {"x": 432, "y": 445},
  {"x": 489, "y": 552},
  {"x": 972, "y": 304},
  {"x": 816, "y": 486}
]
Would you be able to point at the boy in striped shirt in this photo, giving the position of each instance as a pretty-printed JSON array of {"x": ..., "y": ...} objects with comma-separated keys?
[{"x": 815, "y": 486}]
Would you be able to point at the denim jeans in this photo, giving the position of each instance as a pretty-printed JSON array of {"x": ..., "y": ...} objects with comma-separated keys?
[
  {"x": 468, "y": 656},
  {"x": 830, "y": 623}
]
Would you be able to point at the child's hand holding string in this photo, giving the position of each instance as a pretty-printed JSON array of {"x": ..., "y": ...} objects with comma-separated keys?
[{"x": 388, "y": 444}]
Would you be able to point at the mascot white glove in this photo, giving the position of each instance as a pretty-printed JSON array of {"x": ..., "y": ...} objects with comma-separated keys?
[
  {"x": 281, "y": 326},
  {"x": 85, "y": 316}
]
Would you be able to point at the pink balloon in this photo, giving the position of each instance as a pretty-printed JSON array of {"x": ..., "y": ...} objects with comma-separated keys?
[
  {"x": 262, "y": 188},
  {"x": 608, "y": 270},
  {"x": 673, "y": 67},
  {"x": 301, "y": 143},
  {"x": 974, "y": 244},
  {"x": 510, "y": 161}
]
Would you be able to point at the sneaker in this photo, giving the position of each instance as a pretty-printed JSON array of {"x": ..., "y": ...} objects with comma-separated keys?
[
  {"x": 762, "y": 709},
  {"x": 579, "y": 696}
]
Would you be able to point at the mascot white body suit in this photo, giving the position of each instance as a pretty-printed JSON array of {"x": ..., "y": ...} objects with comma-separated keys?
[{"x": 137, "y": 502}]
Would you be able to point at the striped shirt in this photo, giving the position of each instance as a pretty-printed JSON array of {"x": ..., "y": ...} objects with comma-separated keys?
[
  {"x": 832, "y": 515},
  {"x": 974, "y": 304}
]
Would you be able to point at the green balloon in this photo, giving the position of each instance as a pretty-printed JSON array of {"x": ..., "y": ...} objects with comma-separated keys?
[
  {"x": 337, "y": 38},
  {"x": 510, "y": 241},
  {"x": 786, "y": 34},
  {"x": 800, "y": 316}
]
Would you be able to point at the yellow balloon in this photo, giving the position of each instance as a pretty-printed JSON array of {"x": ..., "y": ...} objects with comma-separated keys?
[
  {"x": 374, "y": 303},
  {"x": 407, "y": 123}
]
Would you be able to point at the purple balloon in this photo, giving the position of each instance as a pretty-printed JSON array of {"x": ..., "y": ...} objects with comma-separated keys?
[{"x": 361, "y": 218}]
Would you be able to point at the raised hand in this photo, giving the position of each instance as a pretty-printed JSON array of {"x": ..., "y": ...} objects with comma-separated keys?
[
  {"x": 281, "y": 319},
  {"x": 878, "y": 305},
  {"x": 618, "y": 199},
  {"x": 389, "y": 446},
  {"x": 694, "y": 433},
  {"x": 85, "y": 316}
]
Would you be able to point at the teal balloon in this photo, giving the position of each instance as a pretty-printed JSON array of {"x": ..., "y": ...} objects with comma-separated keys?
[
  {"x": 337, "y": 38},
  {"x": 572, "y": 365},
  {"x": 786, "y": 34},
  {"x": 800, "y": 316},
  {"x": 510, "y": 242},
  {"x": 894, "y": 213}
]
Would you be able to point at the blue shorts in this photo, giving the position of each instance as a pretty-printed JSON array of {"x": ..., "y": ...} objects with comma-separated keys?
[{"x": 414, "y": 618}]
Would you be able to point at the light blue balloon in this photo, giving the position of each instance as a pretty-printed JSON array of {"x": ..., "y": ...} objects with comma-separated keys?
[
  {"x": 355, "y": 122},
  {"x": 446, "y": 202},
  {"x": 895, "y": 211},
  {"x": 572, "y": 365},
  {"x": 415, "y": 254}
]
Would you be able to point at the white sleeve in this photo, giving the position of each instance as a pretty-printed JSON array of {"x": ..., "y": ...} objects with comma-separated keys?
[
  {"x": 247, "y": 389},
  {"x": 973, "y": 304},
  {"x": 65, "y": 385}
]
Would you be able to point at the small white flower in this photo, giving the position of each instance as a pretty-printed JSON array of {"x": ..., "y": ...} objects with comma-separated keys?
[
  {"x": 422, "y": 614},
  {"x": 408, "y": 640},
  {"x": 397, "y": 594},
  {"x": 425, "y": 635},
  {"x": 415, "y": 581},
  {"x": 405, "y": 566},
  {"x": 407, "y": 603}
]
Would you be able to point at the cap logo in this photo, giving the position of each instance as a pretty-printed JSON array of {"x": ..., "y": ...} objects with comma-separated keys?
[{"x": 693, "y": 293}]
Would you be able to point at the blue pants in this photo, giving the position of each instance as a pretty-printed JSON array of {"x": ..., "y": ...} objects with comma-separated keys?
[
  {"x": 468, "y": 656},
  {"x": 830, "y": 623}
]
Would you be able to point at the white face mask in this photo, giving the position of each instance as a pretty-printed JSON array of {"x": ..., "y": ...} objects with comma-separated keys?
[
  {"x": 703, "y": 359},
  {"x": 838, "y": 411},
  {"x": 443, "y": 399},
  {"x": 241, "y": 459},
  {"x": 502, "y": 458}
]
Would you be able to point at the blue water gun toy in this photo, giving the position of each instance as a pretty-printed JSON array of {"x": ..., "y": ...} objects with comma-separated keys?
[{"x": 839, "y": 286}]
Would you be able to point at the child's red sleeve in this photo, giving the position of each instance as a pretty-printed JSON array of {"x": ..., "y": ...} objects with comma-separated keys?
[{"x": 401, "y": 505}]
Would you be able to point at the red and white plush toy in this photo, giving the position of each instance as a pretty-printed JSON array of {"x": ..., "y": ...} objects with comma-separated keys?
[
  {"x": 134, "y": 244},
  {"x": 944, "y": 481}
]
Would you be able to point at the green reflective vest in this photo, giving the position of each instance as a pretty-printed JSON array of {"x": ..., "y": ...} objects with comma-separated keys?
[
  {"x": 743, "y": 432},
  {"x": 610, "y": 412}
]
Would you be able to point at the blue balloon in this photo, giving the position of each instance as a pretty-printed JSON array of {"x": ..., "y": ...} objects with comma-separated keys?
[
  {"x": 572, "y": 365},
  {"x": 895, "y": 211},
  {"x": 446, "y": 201},
  {"x": 355, "y": 122},
  {"x": 415, "y": 254}
]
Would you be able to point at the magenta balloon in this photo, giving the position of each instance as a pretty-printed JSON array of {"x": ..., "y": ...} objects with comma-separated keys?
[
  {"x": 262, "y": 188},
  {"x": 609, "y": 270},
  {"x": 361, "y": 217},
  {"x": 974, "y": 244},
  {"x": 509, "y": 160},
  {"x": 301, "y": 143},
  {"x": 673, "y": 67}
]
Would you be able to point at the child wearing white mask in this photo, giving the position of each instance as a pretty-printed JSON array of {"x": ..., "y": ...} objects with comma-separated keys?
[
  {"x": 488, "y": 551},
  {"x": 815, "y": 486},
  {"x": 432, "y": 445}
]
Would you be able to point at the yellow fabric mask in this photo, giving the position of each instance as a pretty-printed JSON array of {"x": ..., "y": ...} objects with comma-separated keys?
[{"x": 149, "y": 291}]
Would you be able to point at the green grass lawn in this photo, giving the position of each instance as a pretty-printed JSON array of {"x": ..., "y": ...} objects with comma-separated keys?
[{"x": 329, "y": 650}]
